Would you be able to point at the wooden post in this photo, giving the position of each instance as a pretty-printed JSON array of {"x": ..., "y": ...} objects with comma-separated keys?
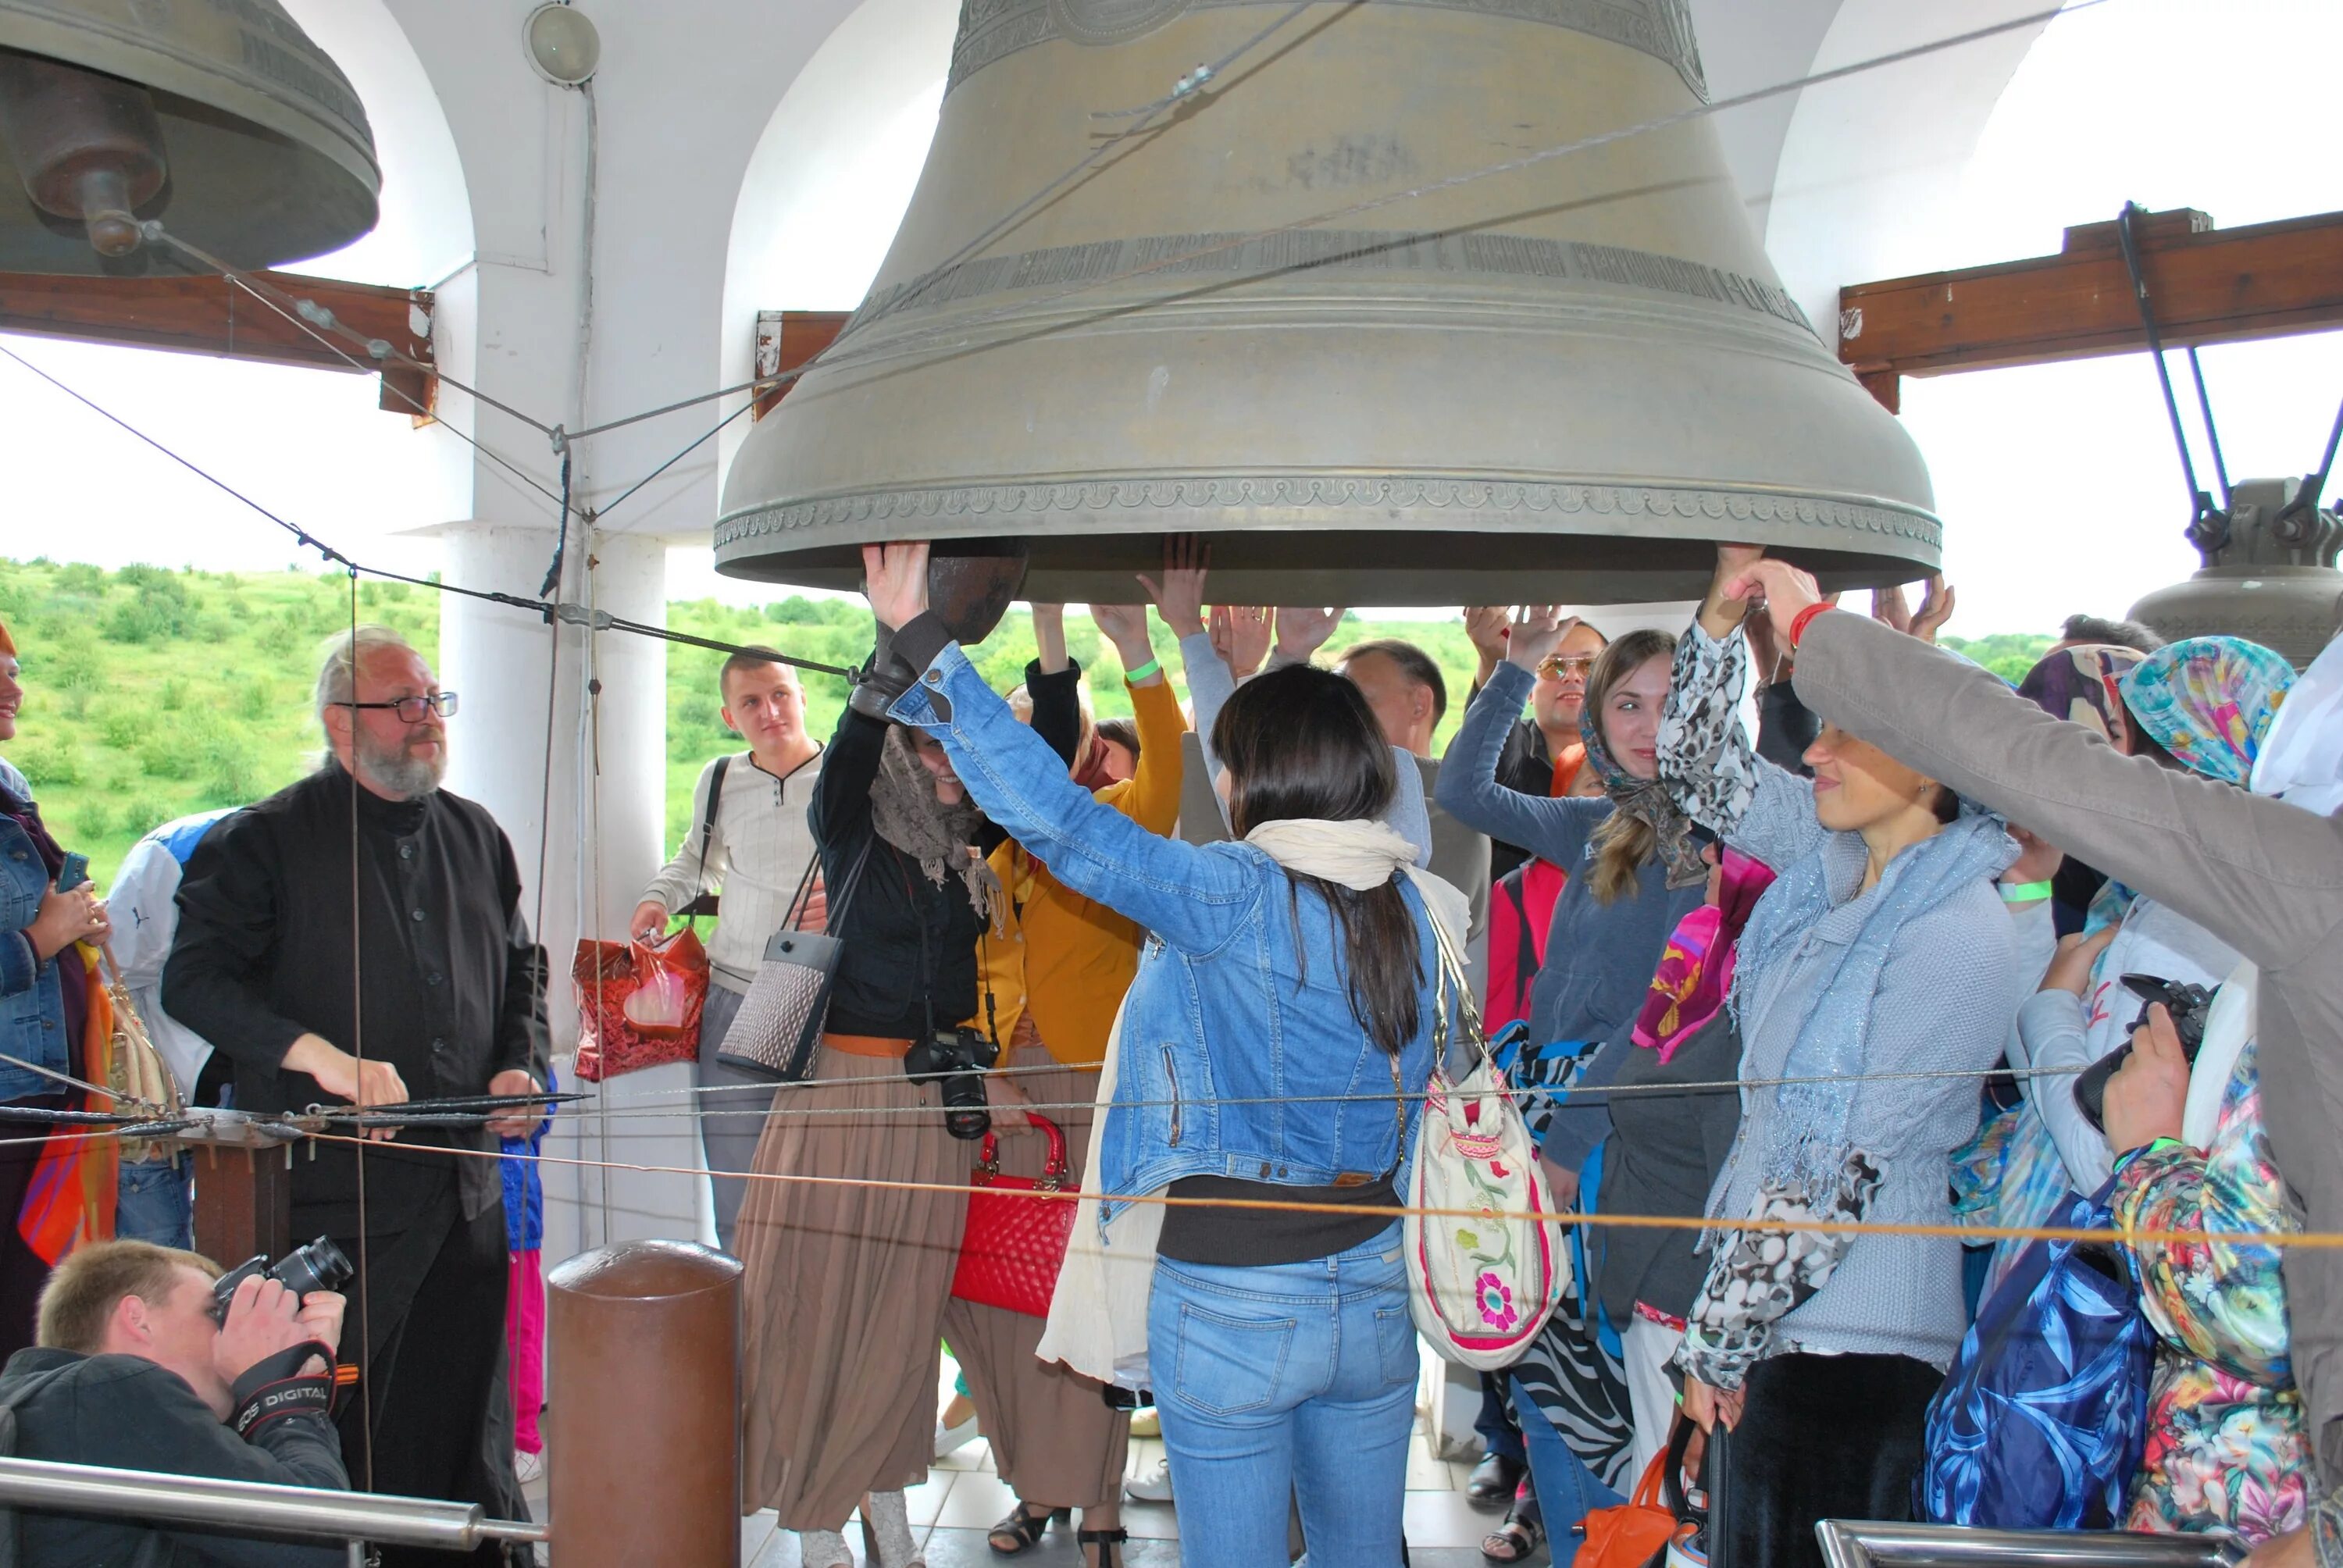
[{"x": 244, "y": 1193}]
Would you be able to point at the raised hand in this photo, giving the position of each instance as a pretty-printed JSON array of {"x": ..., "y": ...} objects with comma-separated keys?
[
  {"x": 1050, "y": 637},
  {"x": 1125, "y": 625},
  {"x": 1787, "y": 592},
  {"x": 1485, "y": 627},
  {"x": 1536, "y": 631},
  {"x": 1302, "y": 629},
  {"x": 895, "y": 579},
  {"x": 1241, "y": 634},
  {"x": 1722, "y": 610},
  {"x": 1179, "y": 594},
  {"x": 1936, "y": 609}
]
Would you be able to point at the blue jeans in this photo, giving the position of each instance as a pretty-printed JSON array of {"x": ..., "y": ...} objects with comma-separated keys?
[
  {"x": 1567, "y": 1489},
  {"x": 153, "y": 1201},
  {"x": 1288, "y": 1380}
]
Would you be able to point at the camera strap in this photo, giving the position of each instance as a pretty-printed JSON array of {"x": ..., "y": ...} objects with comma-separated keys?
[{"x": 274, "y": 1387}]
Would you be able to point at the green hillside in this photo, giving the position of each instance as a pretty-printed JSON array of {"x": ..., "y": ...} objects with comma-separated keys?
[{"x": 151, "y": 694}]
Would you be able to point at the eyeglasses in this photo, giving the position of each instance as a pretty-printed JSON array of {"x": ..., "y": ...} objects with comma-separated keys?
[
  {"x": 1554, "y": 664},
  {"x": 411, "y": 710}
]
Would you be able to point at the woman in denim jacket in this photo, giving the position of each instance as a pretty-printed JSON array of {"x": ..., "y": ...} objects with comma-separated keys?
[
  {"x": 1274, "y": 1043},
  {"x": 38, "y": 925}
]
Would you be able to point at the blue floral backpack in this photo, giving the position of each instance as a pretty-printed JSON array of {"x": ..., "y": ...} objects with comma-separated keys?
[{"x": 2042, "y": 1422}]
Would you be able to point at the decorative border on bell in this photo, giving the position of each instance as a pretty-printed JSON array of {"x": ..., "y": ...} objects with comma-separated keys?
[
  {"x": 1263, "y": 257},
  {"x": 993, "y": 30},
  {"x": 1376, "y": 494}
]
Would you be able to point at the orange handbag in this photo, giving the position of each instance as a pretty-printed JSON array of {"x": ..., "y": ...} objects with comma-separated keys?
[
  {"x": 1013, "y": 1246},
  {"x": 1636, "y": 1532}
]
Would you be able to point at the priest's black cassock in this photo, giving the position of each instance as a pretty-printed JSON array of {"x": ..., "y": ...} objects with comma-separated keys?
[{"x": 450, "y": 991}]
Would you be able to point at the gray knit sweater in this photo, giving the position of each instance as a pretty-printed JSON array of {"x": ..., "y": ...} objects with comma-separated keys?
[{"x": 1945, "y": 1005}]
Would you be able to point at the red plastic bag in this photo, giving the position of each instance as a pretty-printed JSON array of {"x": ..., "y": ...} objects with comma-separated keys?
[{"x": 606, "y": 977}]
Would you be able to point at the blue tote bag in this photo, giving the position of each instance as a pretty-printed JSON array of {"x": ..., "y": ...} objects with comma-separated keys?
[{"x": 2042, "y": 1422}]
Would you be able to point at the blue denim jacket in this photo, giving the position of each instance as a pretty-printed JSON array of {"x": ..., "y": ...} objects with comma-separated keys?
[
  {"x": 1240, "y": 1055},
  {"x": 32, "y": 1006}
]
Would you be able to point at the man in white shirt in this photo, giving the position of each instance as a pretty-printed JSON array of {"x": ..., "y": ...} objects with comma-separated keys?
[
  {"x": 757, "y": 845},
  {"x": 153, "y": 1199}
]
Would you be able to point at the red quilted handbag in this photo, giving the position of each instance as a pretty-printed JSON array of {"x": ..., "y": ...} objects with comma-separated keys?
[{"x": 1010, "y": 1253}]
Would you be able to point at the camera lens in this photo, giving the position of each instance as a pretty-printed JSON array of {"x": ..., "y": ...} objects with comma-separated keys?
[{"x": 319, "y": 1266}]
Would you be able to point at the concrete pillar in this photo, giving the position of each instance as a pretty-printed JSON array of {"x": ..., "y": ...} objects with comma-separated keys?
[{"x": 591, "y": 803}]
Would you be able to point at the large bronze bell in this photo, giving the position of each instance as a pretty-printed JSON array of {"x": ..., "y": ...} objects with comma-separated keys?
[
  {"x": 1561, "y": 382},
  {"x": 218, "y": 117}
]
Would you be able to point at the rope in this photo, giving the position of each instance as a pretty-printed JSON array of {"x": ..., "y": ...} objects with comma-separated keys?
[
  {"x": 1516, "y": 1093},
  {"x": 357, "y": 1052},
  {"x": 2315, "y": 1240},
  {"x": 2200, "y": 505}
]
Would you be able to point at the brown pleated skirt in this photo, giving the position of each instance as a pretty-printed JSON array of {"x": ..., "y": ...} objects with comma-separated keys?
[
  {"x": 843, "y": 1301},
  {"x": 1054, "y": 1441}
]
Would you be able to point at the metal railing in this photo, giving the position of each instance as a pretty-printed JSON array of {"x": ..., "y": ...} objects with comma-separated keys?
[
  {"x": 356, "y": 1517},
  {"x": 1863, "y": 1543}
]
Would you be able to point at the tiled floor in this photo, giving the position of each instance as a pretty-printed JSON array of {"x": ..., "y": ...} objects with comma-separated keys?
[{"x": 962, "y": 1497}]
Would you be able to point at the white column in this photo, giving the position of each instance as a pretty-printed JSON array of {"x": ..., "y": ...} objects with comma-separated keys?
[{"x": 591, "y": 805}]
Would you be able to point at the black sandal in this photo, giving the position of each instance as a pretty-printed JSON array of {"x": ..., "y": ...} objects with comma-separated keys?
[
  {"x": 1022, "y": 1529},
  {"x": 1108, "y": 1541},
  {"x": 1516, "y": 1540}
]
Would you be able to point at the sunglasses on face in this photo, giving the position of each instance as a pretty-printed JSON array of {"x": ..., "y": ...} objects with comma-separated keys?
[{"x": 1555, "y": 665}]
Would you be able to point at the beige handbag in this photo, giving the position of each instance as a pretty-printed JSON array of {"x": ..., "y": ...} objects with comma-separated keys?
[{"x": 136, "y": 1073}]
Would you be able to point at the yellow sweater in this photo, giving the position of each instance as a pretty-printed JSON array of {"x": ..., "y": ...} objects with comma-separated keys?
[{"x": 1067, "y": 958}]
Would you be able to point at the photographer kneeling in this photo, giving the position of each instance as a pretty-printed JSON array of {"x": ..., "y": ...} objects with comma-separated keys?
[{"x": 136, "y": 1367}]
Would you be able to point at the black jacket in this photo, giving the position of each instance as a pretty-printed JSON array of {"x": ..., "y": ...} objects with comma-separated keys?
[
  {"x": 132, "y": 1414},
  {"x": 453, "y": 985},
  {"x": 910, "y": 945}
]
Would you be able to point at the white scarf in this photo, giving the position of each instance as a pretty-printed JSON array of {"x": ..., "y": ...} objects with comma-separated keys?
[{"x": 1097, "y": 1317}]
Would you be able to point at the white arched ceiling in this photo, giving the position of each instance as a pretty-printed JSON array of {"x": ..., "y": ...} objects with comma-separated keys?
[
  {"x": 1870, "y": 164},
  {"x": 827, "y": 185},
  {"x": 426, "y": 229}
]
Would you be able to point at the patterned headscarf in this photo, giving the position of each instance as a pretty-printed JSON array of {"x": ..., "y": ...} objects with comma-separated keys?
[
  {"x": 905, "y": 812},
  {"x": 1648, "y": 801},
  {"x": 2208, "y": 701},
  {"x": 1695, "y": 970},
  {"x": 2081, "y": 684}
]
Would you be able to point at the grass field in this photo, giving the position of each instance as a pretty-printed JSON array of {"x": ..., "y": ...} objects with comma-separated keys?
[{"x": 154, "y": 693}]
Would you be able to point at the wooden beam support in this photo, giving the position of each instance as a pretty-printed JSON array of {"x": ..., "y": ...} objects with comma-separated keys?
[
  {"x": 210, "y": 315},
  {"x": 2205, "y": 285},
  {"x": 788, "y": 340}
]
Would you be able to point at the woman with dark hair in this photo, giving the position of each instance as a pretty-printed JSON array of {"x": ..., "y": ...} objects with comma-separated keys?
[
  {"x": 1634, "y": 872},
  {"x": 846, "y": 1283},
  {"x": 1877, "y": 972},
  {"x": 1274, "y": 1043}
]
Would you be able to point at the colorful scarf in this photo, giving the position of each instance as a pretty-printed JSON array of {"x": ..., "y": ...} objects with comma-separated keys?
[
  {"x": 1648, "y": 801},
  {"x": 1695, "y": 969},
  {"x": 2209, "y": 700},
  {"x": 2081, "y": 685},
  {"x": 1807, "y": 1138}
]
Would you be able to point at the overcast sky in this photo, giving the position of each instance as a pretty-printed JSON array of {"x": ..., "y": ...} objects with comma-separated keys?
[{"x": 2058, "y": 484}]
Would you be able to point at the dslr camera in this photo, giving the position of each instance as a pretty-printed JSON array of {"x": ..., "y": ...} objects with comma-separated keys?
[
  {"x": 2187, "y": 1004},
  {"x": 955, "y": 1060},
  {"x": 319, "y": 1266}
]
